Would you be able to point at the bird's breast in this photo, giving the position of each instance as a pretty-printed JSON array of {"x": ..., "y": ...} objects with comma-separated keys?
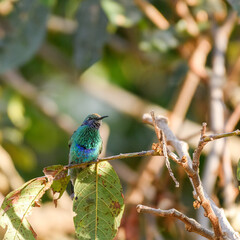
[{"x": 81, "y": 154}]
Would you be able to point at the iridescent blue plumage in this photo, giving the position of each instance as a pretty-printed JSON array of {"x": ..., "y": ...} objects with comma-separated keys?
[{"x": 85, "y": 143}]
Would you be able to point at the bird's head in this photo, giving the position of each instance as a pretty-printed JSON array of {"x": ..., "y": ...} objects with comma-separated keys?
[{"x": 93, "y": 120}]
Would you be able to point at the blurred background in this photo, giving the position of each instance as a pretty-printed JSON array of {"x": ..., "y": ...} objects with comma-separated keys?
[{"x": 62, "y": 60}]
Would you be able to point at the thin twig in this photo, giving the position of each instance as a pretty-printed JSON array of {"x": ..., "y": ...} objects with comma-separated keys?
[
  {"x": 216, "y": 216},
  {"x": 165, "y": 154},
  {"x": 162, "y": 142},
  {"x": 196, "y": 182},
  {"x": 157, "y": 130},
  {"x": 119, "y": 156},
  {"x": 205, "y": 139},
  {"x": 198, "y": 150},
  {"x": 191, "y": 224},
  {"x": 221, "y": 135}
]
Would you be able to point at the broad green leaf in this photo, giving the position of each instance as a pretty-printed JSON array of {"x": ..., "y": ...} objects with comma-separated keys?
[
  {"x": 91, "y": 34},
  {"x": 235, "y": 4},
  {"x": 22, "y": 33},
  {"x": 60, "y": 179},
  {"x": 98, "y": 202},
  {"x": 17, "y": 206}
]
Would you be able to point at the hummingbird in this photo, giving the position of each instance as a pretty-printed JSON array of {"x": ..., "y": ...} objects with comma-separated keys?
[{"x": 85, "y": 144}]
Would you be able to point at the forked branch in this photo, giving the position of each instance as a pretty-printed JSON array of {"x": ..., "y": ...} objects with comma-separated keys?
[
  {"x": 191, "y": 224},
  {"x": 221, "y": 227}
]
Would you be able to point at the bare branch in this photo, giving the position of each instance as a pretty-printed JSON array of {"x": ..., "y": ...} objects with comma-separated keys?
[
  {"x": 215, "y": 215},
  {"x": 191, "y": 224},
  {"x": 198, "y": 150},
  {"x": 119, "y": 156},
  {"x": 157, "y": 130},
  {"x": 165, "y": 154},
  {"x": 221, "y": 135},
  {"x": 162, "y": 142}
]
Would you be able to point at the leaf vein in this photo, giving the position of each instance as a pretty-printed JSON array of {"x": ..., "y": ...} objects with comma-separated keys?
[{"x": 82, "y": 198}]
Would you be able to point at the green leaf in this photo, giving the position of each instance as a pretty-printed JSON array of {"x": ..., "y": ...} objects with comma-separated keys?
[
  {"x": 22, "y": 33},
  {"x": 238, "y": 170},
  {"x": 60, "y": 179},
  {"x": 91, "y": 34},
  {"x": 122, "y": 13},
  {"x": 17, "y": 206},
  {"x": 98, "y": 202},
  {"x": 235, "y": 5}
]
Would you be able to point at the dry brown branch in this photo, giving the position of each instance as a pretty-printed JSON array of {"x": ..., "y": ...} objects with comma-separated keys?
[
  {"x": 119, "y": 156},
  {"x": 157, "y": 130},
  {"x": 165, "y": 154},
  {"x": 162, "y": 142},
  {"x": 191, "y": 224},
  {"x": 205, "y": 139},
  {"x": 216, "y": 216},
  {"x": 153, "y": 14},
  {"x": 198, "y": 150}
]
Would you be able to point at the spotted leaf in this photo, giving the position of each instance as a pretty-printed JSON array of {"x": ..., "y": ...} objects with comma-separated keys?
[
  {"x": 18, "y": 205},
  {"x": 98, "y": 202}
]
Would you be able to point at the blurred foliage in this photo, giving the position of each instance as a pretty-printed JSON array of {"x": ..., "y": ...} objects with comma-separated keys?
[
  {"x": 23, "y": 30},
  {"x": 51, "y": 42},
  {"x": 93, "y": 24}
]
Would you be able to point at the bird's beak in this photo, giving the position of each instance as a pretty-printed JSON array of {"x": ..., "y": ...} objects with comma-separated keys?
[{"x": 102, "y": 117}]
